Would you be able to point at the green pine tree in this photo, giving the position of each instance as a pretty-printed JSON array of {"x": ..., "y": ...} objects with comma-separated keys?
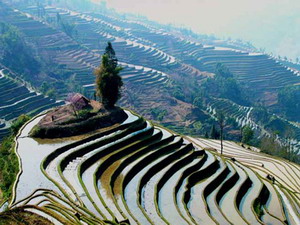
[
  {"x": 214, "y": 134},
  {"x": 108, "y": 80},
  {"x": 247, "y": 134}
]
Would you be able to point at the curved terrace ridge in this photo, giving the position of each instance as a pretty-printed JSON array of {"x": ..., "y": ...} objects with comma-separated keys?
[{"x": 138, "y": 173}]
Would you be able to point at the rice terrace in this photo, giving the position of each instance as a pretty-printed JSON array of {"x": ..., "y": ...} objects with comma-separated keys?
[{"x": 112, "y": 118}]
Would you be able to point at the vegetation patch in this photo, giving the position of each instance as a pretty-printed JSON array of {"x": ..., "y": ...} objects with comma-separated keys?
[
  {"x": 158, "y": 114},
  {"x": 9, "y": 165},
  {"x": 67, "y": 121},
  {"x": 224, "y": 85},
  {"x": 271, "y": 146},
  {"x": 15, "y": 53},
  {"x": 83, "y": 115},
  {"x": 288, "y": 99}
]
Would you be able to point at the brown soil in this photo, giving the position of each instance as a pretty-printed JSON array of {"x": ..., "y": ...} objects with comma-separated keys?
[
  {"x": 64, "y": 121},
  {"x": 210, "y": 149},
  {"x": 19, "y": 216},
  {"x": 67, "y": 113},
  {"x": 270, "y": 98}
]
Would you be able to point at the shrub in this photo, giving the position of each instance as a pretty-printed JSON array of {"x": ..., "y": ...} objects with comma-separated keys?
[
  {"x": 248, "y": 134},
  {"x": 158, "y": 113},
  {"x": 83, "y": 114},
  {"x": 18, "y": 123},
  {"x": 9, "y": 165},
  {"x": 35, "y": 131}
]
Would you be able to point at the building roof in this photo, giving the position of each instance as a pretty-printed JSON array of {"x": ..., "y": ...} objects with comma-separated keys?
[{"x": 79, "y": 101}]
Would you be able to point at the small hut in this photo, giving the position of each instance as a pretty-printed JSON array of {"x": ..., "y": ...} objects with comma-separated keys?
[{"x": 79, "y": 101}]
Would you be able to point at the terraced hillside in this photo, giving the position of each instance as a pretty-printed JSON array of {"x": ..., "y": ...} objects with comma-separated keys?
[
  {"x": 139, "y": 173},
  {"x": 163, "y": 68},
  {"x": 270, "y": 75},
  {"x": 143, "y": 85},
  {"x": 16, "y": 99},
  {"x": 165, "y": 51}
]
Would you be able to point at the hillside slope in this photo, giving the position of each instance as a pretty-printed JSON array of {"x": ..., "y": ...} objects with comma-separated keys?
[
  {"x": 16, "y": 98},
  {"x": 164, "y": 68},
  {"x": 144, "y": 174}
]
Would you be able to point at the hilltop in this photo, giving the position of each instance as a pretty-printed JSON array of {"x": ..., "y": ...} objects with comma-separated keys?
[{"x": 81, "y": 116}]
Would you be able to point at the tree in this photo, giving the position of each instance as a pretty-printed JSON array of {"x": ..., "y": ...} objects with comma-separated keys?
[
  {"x": 108, "y": 80},
  {"x": 289, "y": 133},
  {"x": 110, "y": 52},
  {"x": 214, "y": 133},
  {"x": 221, "y": 122},
  {"x": 58, "y": 18},
  {"x": 206, "y": 135},
  {"x": 247, "y": 134},
  {"x": 223, "y": 71},
  {"x": 68, "y": 28}
]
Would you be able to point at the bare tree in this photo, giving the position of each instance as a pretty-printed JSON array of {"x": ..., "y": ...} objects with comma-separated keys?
[
  {"x": 221, "y": 122},
  {"x": 289, "y": 134}
]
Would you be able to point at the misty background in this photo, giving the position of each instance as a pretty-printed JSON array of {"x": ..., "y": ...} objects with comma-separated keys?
[{"x": 273, "y": 25}]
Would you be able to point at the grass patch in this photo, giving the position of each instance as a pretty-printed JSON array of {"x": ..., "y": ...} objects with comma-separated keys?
[
  {"x": 258, "y": 208},
  {"x": 81, "y": 115},
  {"x": 9, "y": 164}
]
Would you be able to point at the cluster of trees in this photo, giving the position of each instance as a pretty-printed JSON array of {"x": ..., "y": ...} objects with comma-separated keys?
[
  {"x": 247, "y": 133},
  {"x": 271, "y": 146},
  {"x": 8, "y": 167},
  {"x": 288, "y": 99},
  {"x": 200, "y": 92},
  {"x": 224, "y": 85},
  {"x": 14, "y": 53},
  {"x": 158, "y": 114},
  {"x": 48, "y": 90}
]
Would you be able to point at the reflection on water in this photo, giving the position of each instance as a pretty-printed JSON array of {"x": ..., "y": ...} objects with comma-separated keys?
[
  {"x": 32, "y": 152},
  {"x": 105, "y": 179},
  {"x": 118, "y": 186},
  {"x": 3, "y": 207},
  {"x": 167, "y": 198}
]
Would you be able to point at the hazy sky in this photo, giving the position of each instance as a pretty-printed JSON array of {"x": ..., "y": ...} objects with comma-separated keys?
[{"x": 272, "y": 24}]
